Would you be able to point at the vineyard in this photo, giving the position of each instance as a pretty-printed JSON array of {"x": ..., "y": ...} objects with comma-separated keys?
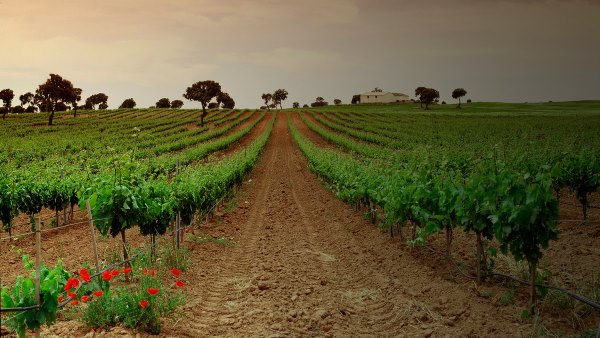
[{"x": 493, "y": 200}]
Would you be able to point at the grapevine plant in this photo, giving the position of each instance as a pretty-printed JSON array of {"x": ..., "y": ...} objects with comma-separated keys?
[
  {"x": 99, "y": 303},
  {"x": 22, "y": 294}
]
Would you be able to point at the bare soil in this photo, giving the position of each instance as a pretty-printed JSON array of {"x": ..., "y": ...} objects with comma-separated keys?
[{"x": 301, "y": 263}]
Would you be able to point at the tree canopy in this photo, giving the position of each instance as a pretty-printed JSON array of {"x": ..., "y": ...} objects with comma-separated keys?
[
  {"x": 163, "y": 103},
  {"x": 203, "y": 92},
  {"x": 355, "y": 99},
  {"x": 267, "y": 98},
  {"x": 428, "y": 95},
  {"x": 26, "y": 98},
  {"x": 54, "y": 91},
  {"x": 457, "y": 94},
  {"x": 225, "y": 101},
  {"x": 176, "y": 104},
  {"x": 128, "y": 103},
  {"x": 319, "y": 102},
  {"x": 418, "y": 92},
  {"x": 75, "y": 98},
  {"x": 279, "y": 96},
  {"x": 6, "y": 95},
  {"x": 99, "y": 99}
]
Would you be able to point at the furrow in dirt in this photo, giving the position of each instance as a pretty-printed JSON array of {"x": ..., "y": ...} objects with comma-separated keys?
[{"x": 305, "y": 264}]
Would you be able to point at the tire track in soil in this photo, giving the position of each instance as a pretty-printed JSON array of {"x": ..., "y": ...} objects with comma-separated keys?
[{"x": 306, "y": 264}]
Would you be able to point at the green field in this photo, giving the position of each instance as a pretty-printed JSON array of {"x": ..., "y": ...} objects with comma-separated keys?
[{"x": 495, "y": 171}]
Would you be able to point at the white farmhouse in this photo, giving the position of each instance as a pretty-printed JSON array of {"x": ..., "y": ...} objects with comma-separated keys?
[{"x": 383, "y": 97}]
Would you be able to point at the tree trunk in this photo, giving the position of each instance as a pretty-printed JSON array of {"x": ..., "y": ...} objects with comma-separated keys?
[
  {"x": 125, "y": 253},
  {"x": 152, "y": 248},
  {"x": 202, "y": 115},
  {"x": 10, "y": 231},
  {"x": 51, "y": 117},
  {"x": 4, "y": 115},
  {"x": 426, "y": 106},
  {"x": 479, "y": 254},
  {"x": 448, "y": 240},
  {"x": 532, "y": 295},
  {"x": 583, "y": 199},
  {"x": 75, "y": 111},
  {"x": 458, "y": 102}
]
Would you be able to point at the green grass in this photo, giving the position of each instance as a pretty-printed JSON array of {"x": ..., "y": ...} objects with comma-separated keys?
[{"x": 486, "y": 108}]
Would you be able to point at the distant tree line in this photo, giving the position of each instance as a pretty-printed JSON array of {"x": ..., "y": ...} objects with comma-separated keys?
[
  {"x": 425, "y": 96},
  {"x": 59, "y": 94}
]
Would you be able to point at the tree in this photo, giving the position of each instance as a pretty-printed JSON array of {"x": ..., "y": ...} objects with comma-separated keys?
[
  {"x": 54, "y": 91},
  {"x": 6, "y": 95},
  {"x": 163, "y": 103},
  {"x": 319, "y": 102},
  {"x": 128, "y": 103},
  {"x": 337, "y": 101},
  {"x": 99, "y": 99},
  {"x": 26, "y": 99},
  {"x": 279, "y": 96},
  {"x": 305, "y": 106},
  {"x": 203, "y": 92},
  {"x": 429, "y": 95},
  {"x": 267, "y": 98},
  {"x": 418, "y": 93},
  {"x": 213, "y": 105},
  {"x": 18, "y": 110},
  {"x": 176, "y": 104},
  {"x": 75, "y": 98},
  {"x": 377, "y": 90},
  {"x": 457, "y": 94},
  {"x": 355, "y": 99},
  {"x": 296, "y": 105},
  {"x": 61, "y": 106},
  {"x": 225, "y": 101}
]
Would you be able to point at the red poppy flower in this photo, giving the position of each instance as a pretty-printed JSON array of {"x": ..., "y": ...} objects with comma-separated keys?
[
  {"x": 98, "y": 293},
  {"x": 60, "y": 299},
  {"x": 175, "y": 271},
  {"x": 85, "y": 298},
  {"x": 144, "y": 303},
  {"x": 74, "y": 302},
  {"x": 71, "y": 283},
  {"x": 126, "y": 270},
  {"x": 115, "y": 272},
  {"x": 179, "y": 283},
  {"x": 149, "y": 272},
  {"x": 152, "y": 291},
  {"x": 83, "y": 273},
  {"x": 71, "y": 295},
  {"x": 106, "y": 275}
]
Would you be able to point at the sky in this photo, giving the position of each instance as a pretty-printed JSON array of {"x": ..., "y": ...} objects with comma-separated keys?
[{"x": 498, "y": 50}]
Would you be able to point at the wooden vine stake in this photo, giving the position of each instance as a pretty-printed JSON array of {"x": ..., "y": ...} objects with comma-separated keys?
[
  {"x": 38, "y": 253},
  {"x": 89, "y": 211},
  {"x": 178, "y": 218},
  {"x": 62, "y": 176}
]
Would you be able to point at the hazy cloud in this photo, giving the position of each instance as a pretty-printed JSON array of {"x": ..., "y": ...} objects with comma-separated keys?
[{"x": 498, "y": 50}]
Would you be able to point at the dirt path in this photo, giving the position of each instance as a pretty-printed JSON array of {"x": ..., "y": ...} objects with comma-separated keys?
[{"x": 305, "y": 264}]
